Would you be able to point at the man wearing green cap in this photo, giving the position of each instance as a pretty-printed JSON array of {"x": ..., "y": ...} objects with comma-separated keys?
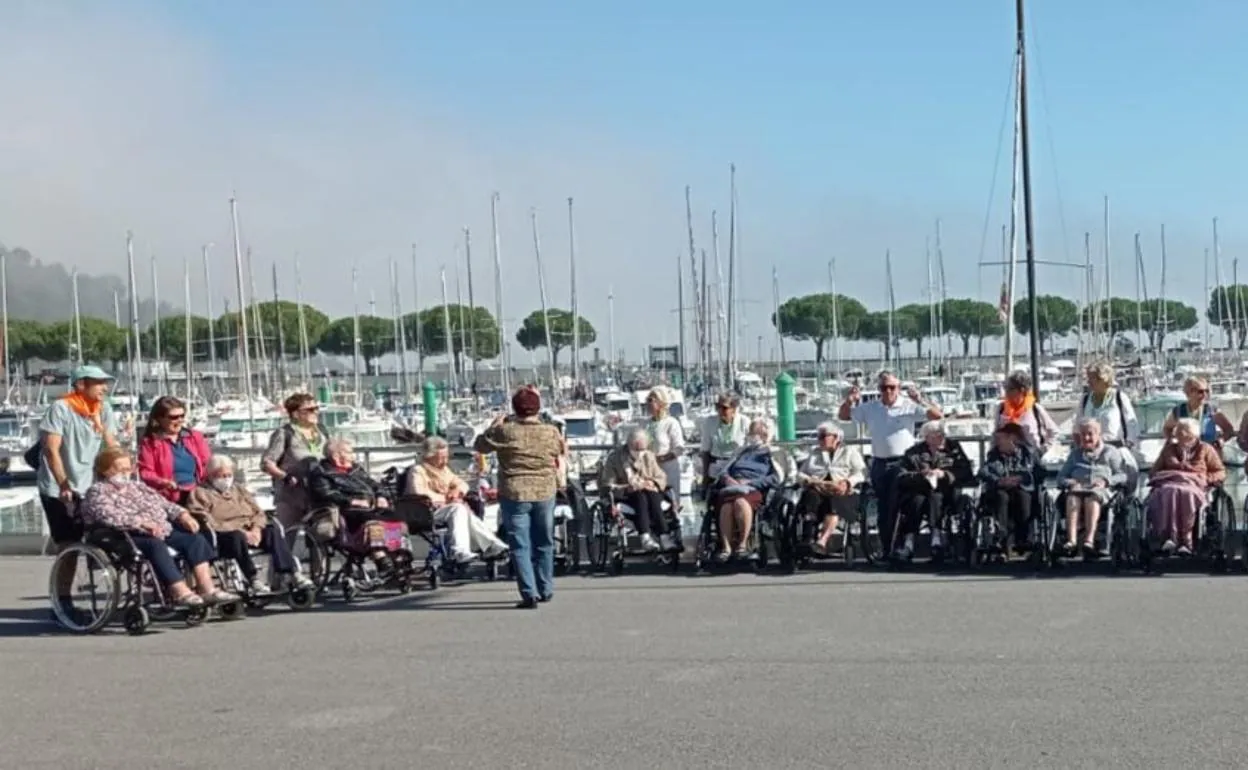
[{"x": 72, "y": 432}]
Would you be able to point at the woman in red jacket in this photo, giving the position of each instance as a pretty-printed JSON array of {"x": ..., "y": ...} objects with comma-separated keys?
[{"x": 172, "y": 456}]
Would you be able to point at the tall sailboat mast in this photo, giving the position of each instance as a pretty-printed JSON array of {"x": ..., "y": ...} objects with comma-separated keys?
[
  {"x": 449, "y": 336},
  {"x": 420, "y": 333},
  {"x": 212, "y": 321},
  {"x": 355, "y": 333},
  {"x": 77, "y": 317},
  {"x": 136, "y": 374},
  {"x": 305, "y": 354},
  {"x": 730, "y": 346},
  {"x": 161, "y": 379},
  {"x": 4, "y": 310},
  {"x": 680, "y": 320},
  {"x": 280, "y": 354},
  {"x": 1028, "y": 225},
  {"x": 471, "y": 328},
  {"x": 836, "y": 317},
  {"x": 576, "y": 313},
  {"x": 504, "y": 346},
  {"x": 243, "y": 335},
  {"x": 188, "y": 338},
  {"x": 1012, "y": 255},
  {"x": 541, "y": 291},
  {"x": 698, "y": 320}
]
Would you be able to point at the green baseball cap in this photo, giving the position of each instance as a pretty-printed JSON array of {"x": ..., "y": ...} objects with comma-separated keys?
[{"x": 90, "y": 373}]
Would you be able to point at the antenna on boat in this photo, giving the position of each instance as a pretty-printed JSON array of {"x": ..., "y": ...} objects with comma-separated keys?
[{"x": 1028, "y": 228}]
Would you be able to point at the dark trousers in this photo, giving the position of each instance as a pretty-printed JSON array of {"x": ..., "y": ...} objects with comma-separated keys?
[
  {"x": 918, "y": 502},
  {"x": 649, "y": 508},
  {"x": 883, "y": 475},
  {"x": 233, "y": 545},
  {"x": 194, "y": 549},
  {"x": 1012, "y": 508}
]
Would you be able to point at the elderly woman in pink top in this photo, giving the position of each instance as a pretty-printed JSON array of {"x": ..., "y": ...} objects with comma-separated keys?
[{"x": 117, "y": 500}]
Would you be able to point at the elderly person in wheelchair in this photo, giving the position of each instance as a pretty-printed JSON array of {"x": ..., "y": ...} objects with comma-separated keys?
[
  {"x": 830, "y": 478},
  {"x": 1181, "y": 478},
  {"x": 740, "y": 490},
  {"x": 1010, "y": 476},
  {"x": 155, "y": 526},
  {"x": 930, "y": 474},
  {"x": 632, "y": 475},
  {"x": 1094, "y": 472},
  {"x": 338, "y": 483},
  {"x": 240, "y": 525},
  {"x": 434, "y": 482}
]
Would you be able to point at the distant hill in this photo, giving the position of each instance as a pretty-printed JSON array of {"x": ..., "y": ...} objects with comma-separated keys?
[{"x": 44, "y": 292}]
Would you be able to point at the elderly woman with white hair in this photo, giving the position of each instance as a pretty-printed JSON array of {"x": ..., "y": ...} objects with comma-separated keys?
[
  {"x": 667, "y": 438},
  {"x": 740, "y": 489},
  {"x": 931, "y": 471},
  {"x": 633, "y": 474},
  {"x": 1214, "y": 424},
  {"x": 444, "y": 490},
  {"x": 1181, "y": 478},
  {"x": 1109, "y": 406},
  {"x": 240, "y": 525},
  {"x": 1092, "y": 471},
  {"x": 340, "y": 483},
  {"x": 830, "y": 477}
]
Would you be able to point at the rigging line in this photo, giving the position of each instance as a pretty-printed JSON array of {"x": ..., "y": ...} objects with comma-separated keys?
[
  {"x": 1048, "y": 132},
  {"x": 996, "y": 168}
]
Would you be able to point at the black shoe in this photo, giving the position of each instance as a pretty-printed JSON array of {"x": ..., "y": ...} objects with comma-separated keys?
[
  {"x": 527, "y": 603},
  {"x": 545, "y": 599}
]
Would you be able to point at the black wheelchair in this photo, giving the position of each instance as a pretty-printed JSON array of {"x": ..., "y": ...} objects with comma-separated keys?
[
  {"x": 1112, "y": 538},
  {"x": 111, "y": 579},
  {"x": 231, "y": 578},
  {"x": 800, "y": 526},
  {"x": 765, "y": 529},
  {"x": 336, "y": 558},
  {"x": 989, "y": 544},
  {"x": 946, "y": 545},
  {"x": 614, "y": 534},
  {"x": 1217, "y": 537},
  {"x": 418, "y": 512}
]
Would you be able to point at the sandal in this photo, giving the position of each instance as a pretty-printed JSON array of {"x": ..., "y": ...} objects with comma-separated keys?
[
  {"x": 188, "y": 599},
  {"x": 218, "y": 597}
]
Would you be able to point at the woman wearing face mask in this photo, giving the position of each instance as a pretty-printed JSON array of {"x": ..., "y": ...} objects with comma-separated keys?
[
  {"x": 1181, "y": 478},
  {"x": 240, "y": 525},
  {"x": 633, "y": 474}
]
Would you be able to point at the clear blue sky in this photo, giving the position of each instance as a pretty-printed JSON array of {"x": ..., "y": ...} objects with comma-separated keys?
[{"x": 855, "y": 125}]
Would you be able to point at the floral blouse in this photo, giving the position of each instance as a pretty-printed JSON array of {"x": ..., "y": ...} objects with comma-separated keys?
[{"x": 129, "y": 505}]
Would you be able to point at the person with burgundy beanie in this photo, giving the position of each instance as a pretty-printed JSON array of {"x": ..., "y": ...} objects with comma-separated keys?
[
  {"x": 172, "y": 456},
  {"x": 529, "y": 452}
]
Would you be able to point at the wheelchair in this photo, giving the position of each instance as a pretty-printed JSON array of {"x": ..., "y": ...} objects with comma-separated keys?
[
  {"x": 230, "y": 576},
  {"x": 615, "y": 538},
  {"x": 328, "y": 540},
  {"x": 765, "y": 529},
  {"x": 111, "y": 579},
  {"x": 438, "y": 565},
  {"x": 989, "y": 545},
  {"x": 801, "y": 526},
  {"x": 957, "y": 533},
  {"x": 1216, "y": 536},
  {"x": 1112, "y": 539}
]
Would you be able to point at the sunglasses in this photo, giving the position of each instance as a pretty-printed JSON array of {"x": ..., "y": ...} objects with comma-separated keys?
[
  {"x": 886, "y": 388},
  {"x": 176, "y": 417},
  {"x": 310, "y": 409}
]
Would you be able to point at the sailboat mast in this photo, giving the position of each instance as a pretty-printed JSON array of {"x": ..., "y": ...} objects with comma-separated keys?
[
  {"x": 697, "y": 300},
  {"x": 1139, "y": 294},
  {"x": 188, "y": 338},
  {"x": 1225, "y": 313},
  {"x": 730, "y": 344},
  {"x": 77, "y": 317},
  {"x": 243, "y": 341},
  {"x": 136, "y": 375},
  {"x": 611, "y": 331},
  {"x": 836, "y": 316},
  {"x": 212, "y": 321},
  {"x": 1107, "y": 312},
  {"x": 117, "y": 323},
  {"x": 680, "y": 320},
  {"x": 280, "y": 356},
  {"x": 1161, "y": 320},
  {"x": 355, "y": 333},
  {"x": 449, "y": 336},
  {"x": 471, "y": 328},
  {"x": 1033, "y": 310},
  {"x": 257, "y": 325},
  {"x": 775, "y": 304},
  {"x": 888, "y": 272},
  {"x": 4, "y": 310},
  {"x": 160, "y": 362},
  {"x": 504, "y": 347},
  {"x": 1012, "y": 257},
  {"x": 420, "y": 332},
  {"x": 304, "y": 354},
  {"x": 400, "y": 371},
  {"x": 541, "y": 291},
  {"x": 943, "y": 296},
  {"x": 576, "y": 313},
  {"x": 721, "y": 331},
  {"x": 931, "y": 307}
]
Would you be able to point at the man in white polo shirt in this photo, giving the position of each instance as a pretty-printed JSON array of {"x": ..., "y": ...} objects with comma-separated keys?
[{"x": 890, "y": 421}]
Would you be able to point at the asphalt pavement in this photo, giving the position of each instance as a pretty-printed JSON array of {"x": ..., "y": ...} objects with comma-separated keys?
[{"x": 818, "y": 670}]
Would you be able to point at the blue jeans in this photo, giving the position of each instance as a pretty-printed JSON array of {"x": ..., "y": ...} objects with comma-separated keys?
[
  {"x": 530, "y": 529},
  {"x": 883, "y": 475},
  {"x": 194, "y": 549}
]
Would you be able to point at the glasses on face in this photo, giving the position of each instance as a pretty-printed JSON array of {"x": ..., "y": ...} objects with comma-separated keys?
[
  {"x": 887, "y": 388},
  {"x": 309, "y": 410},
  {"x": 177, "y": 417}
]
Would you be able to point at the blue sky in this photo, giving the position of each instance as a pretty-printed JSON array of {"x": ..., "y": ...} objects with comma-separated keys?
[{"x": 361, "y": 128}]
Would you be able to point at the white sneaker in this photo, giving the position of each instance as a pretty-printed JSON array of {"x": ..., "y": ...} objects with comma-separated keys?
[
  {"x": 301, "y": 581},
  {"x": 466, "y": 557},
  {"x": 648, "y": 543},
  {"x": 668, "y": 543},
  {"x": 258, "y": 586},
  {"x": 1168, "y": 546},
  {"x": 938, "y": 539},
  {"x": 909, "y": 543}
]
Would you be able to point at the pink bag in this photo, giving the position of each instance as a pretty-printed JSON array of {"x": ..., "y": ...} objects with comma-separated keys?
[{"x": 380, "y": 536}]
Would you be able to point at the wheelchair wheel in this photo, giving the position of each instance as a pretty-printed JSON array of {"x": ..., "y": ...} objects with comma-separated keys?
[
  {"x": 136, "y": 621},
  {"x": 311, "y": 556},
  {"x": 232, "y": 610},
  {"x": 300, "y": 598},
  {"x": 95, "y": 593}
]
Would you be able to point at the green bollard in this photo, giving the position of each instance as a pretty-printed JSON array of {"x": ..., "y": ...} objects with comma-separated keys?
[
  {"x": 786, "y": 406},
  {"x": 431, "y": 408},
  {"x": 322, "y": 394}
]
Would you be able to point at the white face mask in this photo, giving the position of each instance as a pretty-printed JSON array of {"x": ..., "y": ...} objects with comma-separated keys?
[
  {"x": 119, "y": 478},
  {"x": 223, "y": 483}
]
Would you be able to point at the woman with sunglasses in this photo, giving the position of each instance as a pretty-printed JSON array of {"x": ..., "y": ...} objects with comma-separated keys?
[
  {"x": 1214, "y": 425},
  {"x": 294, "y": 449},
  {"x": 172, "y": 456}
]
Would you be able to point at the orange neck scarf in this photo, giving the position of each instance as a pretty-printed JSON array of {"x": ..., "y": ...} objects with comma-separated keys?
[
  {"x": 89, "y": 410},
  {"x": 1012, "y": 410}
]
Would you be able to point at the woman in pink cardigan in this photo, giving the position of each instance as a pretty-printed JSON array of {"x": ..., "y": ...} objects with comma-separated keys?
[{"x": 172, "y": 456}]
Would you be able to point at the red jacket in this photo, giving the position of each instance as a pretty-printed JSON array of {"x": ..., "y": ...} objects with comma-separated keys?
[{"x": 156, "y": 460}]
